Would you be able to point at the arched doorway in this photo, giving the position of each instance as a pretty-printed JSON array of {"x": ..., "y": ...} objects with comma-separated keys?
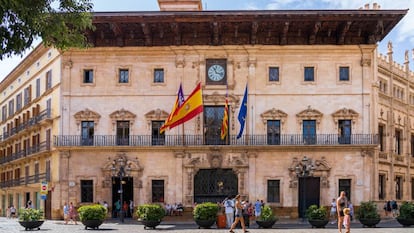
[{"x": 214, "y": 185}]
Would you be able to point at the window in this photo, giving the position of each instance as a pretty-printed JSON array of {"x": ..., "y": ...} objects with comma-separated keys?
[
  {"x": 158, "y": 75},
  {"x": 309, "y": 131},
  {"x": 122, "y": 132},
  {"x": 11, "y": 107},
  {"x": 156, "y": 137},
  {"x": 36, "y": 171},
  {"x": 381, "y": 187},
  {"x": 412, "y": 188},
  {"x": 48, "y": 80},
  {"x": 381, "y": 137},
  {"x": 27, "y": 95},
  {"x": 398, "y": 148},
  {"x": 412, "y": 145},
  {"x": 273, "y": 191},
  {"x": 87, "y": 133},
  {"x": 398, "y": 187},
  {"x": 19, "y": 101},
  {"x": 273, "y": 132},
  {"x": 86, "y": 190},
  {"x": 37, "y": 87},
  {"x": 123, "y": 76},
  {"x": 157, "y": 190},
  {"x": 344, "y": 127},
  {"x": 344, "y": 73},
  {"x": 48, "y": 170},
  {"x": 4, "y": 113},
  {"x": 345, "y": 185},
  {"x": 273, "y": 74},
  {"x": 88, "y": 76},
  {"x": 213, "y": 118},
  {"x": 309, "y": 73}
]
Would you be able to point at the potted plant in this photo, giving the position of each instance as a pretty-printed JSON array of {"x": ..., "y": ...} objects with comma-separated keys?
[
  {"x": 31, "y": 218},
  {"x": 150, "y": 215},
  {"x": 367, "y": 214},
  {"x": 267, "y": 218},
  {"x": 205, "y": 214},
  {"x": 92, "y": 216},
  {"x": 317, "y": 216},
  {"x": 406, "y": 216}
]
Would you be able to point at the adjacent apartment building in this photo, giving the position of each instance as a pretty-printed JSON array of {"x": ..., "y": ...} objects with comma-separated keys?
[{"x": 324, "y": 111}]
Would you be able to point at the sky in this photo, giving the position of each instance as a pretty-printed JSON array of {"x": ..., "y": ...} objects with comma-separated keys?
[{"x": 402, "y": 36}]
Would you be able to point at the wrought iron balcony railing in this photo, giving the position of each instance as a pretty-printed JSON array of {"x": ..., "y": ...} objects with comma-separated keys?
[
  {"x": 200, "y": 140},
  {"x": 43, "y": 146},
  {"x": 37, "y": 178}
]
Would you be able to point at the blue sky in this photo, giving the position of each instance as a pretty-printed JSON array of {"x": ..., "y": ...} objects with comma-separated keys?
[{"x": 402, "y": 36}]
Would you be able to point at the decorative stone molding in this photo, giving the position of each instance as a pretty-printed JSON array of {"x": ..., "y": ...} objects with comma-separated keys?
[
  {"x": 273, "y": 114},
  {"x": 215, "y": 99},
  {"x": 135, "y": 170},
  {"x": 321, "y": 168},
  {"x": 87, "y": 115},
  {"x": 122, "y": 115},
  {"x": 345, "y": 113},
  {"x": 156, "y": 115},
  {"x": 310, "y": 114}
]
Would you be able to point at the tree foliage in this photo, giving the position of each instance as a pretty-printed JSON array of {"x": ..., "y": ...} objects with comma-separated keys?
[{"x": 60, "y": 23}]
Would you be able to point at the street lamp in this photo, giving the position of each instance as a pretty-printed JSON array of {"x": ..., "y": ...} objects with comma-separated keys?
[
  {"x": 121, "y": 169},
  {"x": 303, "y": 170}
]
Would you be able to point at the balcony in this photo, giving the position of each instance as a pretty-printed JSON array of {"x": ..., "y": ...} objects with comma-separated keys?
[
  {"x": 43, "y": 115},
  {"x": 37, "y": 178},
  {"x": 200, "y": 140},
  {"x": 44, "y": 146}
]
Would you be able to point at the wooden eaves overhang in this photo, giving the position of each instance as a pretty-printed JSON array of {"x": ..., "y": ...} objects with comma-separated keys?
[{"x": 276, "y": 27}]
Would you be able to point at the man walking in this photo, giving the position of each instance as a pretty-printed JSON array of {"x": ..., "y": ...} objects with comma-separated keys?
[{"x": 229, "y": 210}]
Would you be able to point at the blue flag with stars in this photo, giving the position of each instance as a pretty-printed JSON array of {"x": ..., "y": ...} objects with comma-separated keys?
[{"x": 242, "y": 114}]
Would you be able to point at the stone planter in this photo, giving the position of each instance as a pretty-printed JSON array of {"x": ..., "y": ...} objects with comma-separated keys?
[
  {"x": 317, "y": 223},
  {"x": 405, "y": 222},
  {"x": 150, "y": 223},
  {"x": 206, "y": 224},
  {"x": 369, "y": 222},
  {"x": 93, "y": 224},
  {"x": 29, "y": 225},
  {"x": 266, "y": 224}
]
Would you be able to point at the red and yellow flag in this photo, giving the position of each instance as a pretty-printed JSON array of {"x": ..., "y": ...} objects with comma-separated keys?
[
  {"x": 191, "y": 107},
  {"x": 178, "y": 103},
  {"x": 225, "y": 123}
]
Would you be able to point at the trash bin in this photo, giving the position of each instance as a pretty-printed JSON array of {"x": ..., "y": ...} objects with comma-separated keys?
[{"x": 221, "y": 221}]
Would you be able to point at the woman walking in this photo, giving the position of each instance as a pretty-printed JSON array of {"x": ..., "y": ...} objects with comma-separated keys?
[{"x": 238, "y": 215}]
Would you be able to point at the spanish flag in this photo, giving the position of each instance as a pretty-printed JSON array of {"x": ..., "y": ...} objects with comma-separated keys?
[
  {"x": 191, "y": 107},
  {"x": 178, "y": 103},
  {"x": 225, "y": 123}
]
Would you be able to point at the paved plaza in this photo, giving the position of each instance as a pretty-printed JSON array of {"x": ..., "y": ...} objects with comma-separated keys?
[{"x": 133, "y": 226}]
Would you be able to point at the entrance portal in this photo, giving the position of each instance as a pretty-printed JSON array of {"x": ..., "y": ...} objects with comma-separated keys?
[
  {"x": 127, "y": 194},
  {"x": 214, "y": 185},
  {"x": 309, "y": 193}
]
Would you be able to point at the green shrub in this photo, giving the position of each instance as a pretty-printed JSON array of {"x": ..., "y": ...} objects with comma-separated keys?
[
  {"x": 315, "y": 213},
  {"x": 151, "y": 212},
  {"x": 92, "y": 212},
  {"x": 267, "y": 214},
  {"x": 30, "y": 214},
  {"x": 206, "y": 211},
  {"x": 406, "y": 210},
  {"x": 367, "y": 210}
]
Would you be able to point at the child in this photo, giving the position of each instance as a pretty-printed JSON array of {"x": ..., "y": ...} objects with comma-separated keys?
[{"x": 347, "y": 220}]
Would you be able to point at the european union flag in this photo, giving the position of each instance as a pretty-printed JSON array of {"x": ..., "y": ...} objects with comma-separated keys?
[{"x": 242, "y": 114}]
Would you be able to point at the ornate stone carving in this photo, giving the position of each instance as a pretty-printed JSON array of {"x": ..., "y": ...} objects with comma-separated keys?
[
  {"x": 273, "y": 114},
  {"x": 345, "y": 113},
  {"x": 87, "y": 115},
  {"x": 320, "y": 167},
  {"x": 309, "y": 114},
  {"x": 156, "y": 115},
  {"x": 122, "y": 115}
]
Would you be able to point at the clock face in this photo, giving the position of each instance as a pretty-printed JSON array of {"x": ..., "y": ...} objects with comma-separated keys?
[{"x": 216, "y": 72}]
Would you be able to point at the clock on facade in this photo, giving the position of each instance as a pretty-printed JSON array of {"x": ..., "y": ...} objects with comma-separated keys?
[{"x": 216, "y": 71}]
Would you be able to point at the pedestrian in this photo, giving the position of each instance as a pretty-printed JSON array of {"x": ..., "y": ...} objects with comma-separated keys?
[
  {"x": 347, "y": 220},
  {"x": 333, "y": 212},
  {"x": 117, "y": 208},
  {"x": 72, "y": 213},
  {"x": 229, "y": 211},
  {"x": 238, "y": 215},
  {"x": 257, "y": 208},
  {"x": 131, "y": 208},
  {"x": 125, "y": 208},
  {"x": 341, "y": 203},
  {"x": 12, "y": 211},
  {"x": 394, "y": 207},
  {"x": 66, "y": 212},
  {"x": 29, "y": 204},
  {"x": 351, "y": 210},
  {"x": 388, "y": 208}
]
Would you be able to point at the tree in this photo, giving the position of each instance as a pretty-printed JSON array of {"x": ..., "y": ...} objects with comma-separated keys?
[{"x": 60, "y": 23}]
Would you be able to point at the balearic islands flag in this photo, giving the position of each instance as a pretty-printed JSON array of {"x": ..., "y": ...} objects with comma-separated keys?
[
  {"x": 191, "y": 107},
  {"x": 178, "y": 103},
  {"x": 225, "y": 123}
]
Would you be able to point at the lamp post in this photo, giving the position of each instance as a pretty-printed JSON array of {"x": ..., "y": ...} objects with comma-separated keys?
[
  {"x": 121, "y": 169},
  {"x": 303, "y": 170}
]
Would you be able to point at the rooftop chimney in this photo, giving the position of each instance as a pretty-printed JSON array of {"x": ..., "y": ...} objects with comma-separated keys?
[{"x": 180, "y": 5}]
